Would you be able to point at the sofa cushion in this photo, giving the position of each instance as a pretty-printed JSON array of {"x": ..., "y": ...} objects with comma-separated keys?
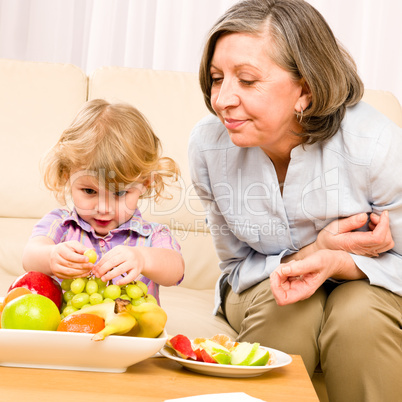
[
  {"x": 37, "y": 102},
  {"x": 14, "y": 233},
  {"x": 190, "y": 313},
  {"x": 386, "y": 103},
  {"x": 173, "y": 103}
]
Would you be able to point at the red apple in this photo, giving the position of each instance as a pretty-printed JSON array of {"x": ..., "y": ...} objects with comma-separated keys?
[
  {"x": 42, "y": 284},
  {"x": 197, "y": 351},
  {"x": 182, "y": 345},
  {"x": 206, "y": 357},
  {"x": 213, "y": 352}
]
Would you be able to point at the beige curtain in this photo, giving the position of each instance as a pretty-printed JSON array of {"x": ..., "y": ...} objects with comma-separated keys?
[{"x": 169, "y": 34}]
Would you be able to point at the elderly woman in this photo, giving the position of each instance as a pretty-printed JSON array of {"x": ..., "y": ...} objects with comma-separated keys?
[{"x": 288, "y": 166}]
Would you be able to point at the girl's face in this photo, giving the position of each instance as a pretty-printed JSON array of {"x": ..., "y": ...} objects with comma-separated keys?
[
  {"x": 104, "y": 210},
  {"x": 253, "y": 97}
]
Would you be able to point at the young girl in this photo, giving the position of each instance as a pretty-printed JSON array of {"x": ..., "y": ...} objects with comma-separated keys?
[{"x": 104, "y": 163}]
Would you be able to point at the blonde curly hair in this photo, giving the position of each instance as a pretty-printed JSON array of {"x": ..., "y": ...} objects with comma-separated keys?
[{"x": 117, "y": 144}]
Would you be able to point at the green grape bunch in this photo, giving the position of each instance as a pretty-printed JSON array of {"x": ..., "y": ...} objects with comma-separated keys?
[{"x": 82, "y": 292}]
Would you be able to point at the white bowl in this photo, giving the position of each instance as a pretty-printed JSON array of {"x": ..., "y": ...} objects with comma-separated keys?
[{"x": 74, "y": 351}]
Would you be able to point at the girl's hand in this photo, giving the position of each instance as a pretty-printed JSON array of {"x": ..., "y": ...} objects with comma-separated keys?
[
  {"x": 67, "y": 260},
  {"x": 339, "y": 235},
  {"x": 298, "y": 280},
  {"x": 120, "y": 260}
]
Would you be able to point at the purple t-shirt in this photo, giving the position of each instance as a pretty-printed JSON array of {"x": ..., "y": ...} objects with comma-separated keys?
[{"x": 63, "y": 225}]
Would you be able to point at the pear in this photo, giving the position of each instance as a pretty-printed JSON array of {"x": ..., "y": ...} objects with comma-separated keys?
[
  {"x": 151, "y": 319},
  {"x": 243, "y": 354}
]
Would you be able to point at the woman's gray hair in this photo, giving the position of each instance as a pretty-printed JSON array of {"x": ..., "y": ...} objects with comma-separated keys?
[{"x": 305, "y": 46}]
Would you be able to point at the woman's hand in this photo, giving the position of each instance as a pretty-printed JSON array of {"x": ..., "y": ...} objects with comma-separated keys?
[
  {"x": 298, "y": 280},
  {"x": 302, "y": 273},
  {"x": 340, "y": 235},
  {"x": 67, "y": 260}
]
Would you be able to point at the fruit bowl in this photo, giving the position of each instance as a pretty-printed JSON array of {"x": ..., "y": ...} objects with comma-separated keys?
[{"x": 74, "y": 351}]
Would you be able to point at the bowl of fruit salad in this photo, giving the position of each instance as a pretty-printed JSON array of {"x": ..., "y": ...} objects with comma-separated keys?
[
  {"x": 220, "y": 356},
  {"x": 126, "y": 330}
]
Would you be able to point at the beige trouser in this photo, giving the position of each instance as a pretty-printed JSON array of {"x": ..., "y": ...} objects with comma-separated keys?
[{"x": 355, "y": 333}]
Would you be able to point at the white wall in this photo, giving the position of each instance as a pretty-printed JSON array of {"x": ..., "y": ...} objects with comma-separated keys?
[{"x": 371, "y": 30}]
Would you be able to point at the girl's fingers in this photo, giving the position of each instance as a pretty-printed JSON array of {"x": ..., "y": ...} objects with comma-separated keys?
[{"x": 130, "y": 277}]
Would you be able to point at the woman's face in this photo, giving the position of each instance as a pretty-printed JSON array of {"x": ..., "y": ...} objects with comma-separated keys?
[{"x": 253, "y": 97}]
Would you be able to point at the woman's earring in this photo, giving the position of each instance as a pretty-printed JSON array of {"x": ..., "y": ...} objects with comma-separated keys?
[{"x": 300, "y": 115}]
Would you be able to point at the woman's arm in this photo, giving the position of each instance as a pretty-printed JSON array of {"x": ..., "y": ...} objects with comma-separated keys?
[
  {"x": 341, "y": 235},
  {"x": 378, "y": 257},
  {"x": 298, "y": 280},
  {"x": 330, "y": 256}
]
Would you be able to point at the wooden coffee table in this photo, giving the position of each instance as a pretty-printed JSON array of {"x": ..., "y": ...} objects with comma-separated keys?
[{"x": 153, "y": 380}]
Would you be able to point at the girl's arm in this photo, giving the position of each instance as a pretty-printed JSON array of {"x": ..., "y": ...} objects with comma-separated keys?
[
  {"x": 163, "y": 266},
  {"x": 63, "y": 260}
]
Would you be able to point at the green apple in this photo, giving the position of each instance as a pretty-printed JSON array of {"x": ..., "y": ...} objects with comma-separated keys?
[
  {"x": 243, "y": 354},
  {"x": 31, "y": 311},
  {"x": 222, "y": 357},
  {"x": 217, "y": 352},
  {"x": 260, "y": 358}
]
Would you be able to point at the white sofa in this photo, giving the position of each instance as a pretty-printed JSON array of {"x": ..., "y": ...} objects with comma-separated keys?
[{"x": 38, "y": 100}]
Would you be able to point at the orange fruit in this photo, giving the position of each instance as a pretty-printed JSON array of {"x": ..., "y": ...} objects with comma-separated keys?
[
  {"x": 85, "y": 323},
  {"x": 14, "y": 293},
  {"x": 224, "y": 340},
  {"x": 197, "y": 341}
]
